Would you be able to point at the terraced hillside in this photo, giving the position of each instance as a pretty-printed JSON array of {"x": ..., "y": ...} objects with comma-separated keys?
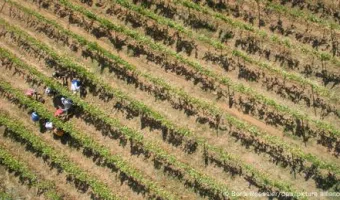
[{"x": 179, "y": 99}]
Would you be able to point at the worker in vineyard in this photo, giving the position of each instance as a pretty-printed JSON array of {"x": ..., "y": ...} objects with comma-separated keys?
[
  {"x": 35, "y": 117},
  {"x": 75, "y": 86},
  {"x": 49, "y": 91},
  {"x": 61, "y": 114},
  {"x": 49, "y": 126},
  {"x": 58, "y": 112},
  {"x": 67, "y": 103},
  {"x": 31, "y": 93},
  {"x": 58, "y": 132}
]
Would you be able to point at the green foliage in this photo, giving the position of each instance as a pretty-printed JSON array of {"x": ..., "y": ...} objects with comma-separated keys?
[
  {"x": 98, "y": 114},
  {"x": 24, "y": 172},
  {"x": 255, "y": 30},
  {"x": 322, "y": 91},
  {"x": 45, "y": 149},
  {"x": 222, "y": 155},
  {"x": 139, "y": 105},
  {"x": 296, "y": 13}
]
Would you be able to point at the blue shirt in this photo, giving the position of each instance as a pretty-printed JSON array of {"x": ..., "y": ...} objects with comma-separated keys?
[{"x": 35, "y": 117}]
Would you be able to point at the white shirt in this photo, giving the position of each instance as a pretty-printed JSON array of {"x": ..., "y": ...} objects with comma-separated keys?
[
  {"x": 67, "y": 104},
  {"x": 49, "y": 125},
  {"x": 47, "y": 90},
  {"x": 75, "y": 87}
]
